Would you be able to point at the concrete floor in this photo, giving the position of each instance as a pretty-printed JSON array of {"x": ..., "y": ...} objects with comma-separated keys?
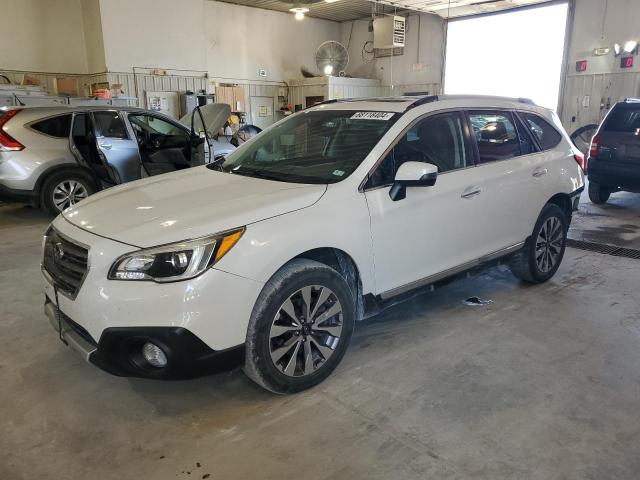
[{"x": 542, "y": 384}]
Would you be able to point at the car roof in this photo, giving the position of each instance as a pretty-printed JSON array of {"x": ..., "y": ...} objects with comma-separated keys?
[
  {"x": 52, "y": 110},
  {"x": 437, "y": 102}
]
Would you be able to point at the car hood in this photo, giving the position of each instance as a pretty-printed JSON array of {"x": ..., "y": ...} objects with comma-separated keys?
[{"x": 185, "y": 205}]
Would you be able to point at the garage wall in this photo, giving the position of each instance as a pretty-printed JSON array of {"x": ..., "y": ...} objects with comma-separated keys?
[
  {"x": 418, "y": 69},
  {"x": 153, "y": 33},
  {"x": 604, "y": 82},
  {"x": 241, "y": 40},
  {"x": 42, "y": 36}
]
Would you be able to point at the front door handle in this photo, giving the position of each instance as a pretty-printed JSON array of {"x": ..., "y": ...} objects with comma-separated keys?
[
  {"x": 540, "y": 172},
  {"x": 106, "y": 146},
  {"x": 471, "y": 192}
]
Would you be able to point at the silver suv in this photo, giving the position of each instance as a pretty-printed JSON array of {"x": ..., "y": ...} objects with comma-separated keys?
[{"x": 53, "y": 157}]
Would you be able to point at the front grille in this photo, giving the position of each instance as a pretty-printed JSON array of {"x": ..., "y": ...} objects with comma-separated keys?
[{"x": 65, "y": 262}]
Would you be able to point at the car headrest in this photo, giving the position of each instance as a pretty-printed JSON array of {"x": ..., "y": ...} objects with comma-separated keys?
[{"x": 493, "y": 131}]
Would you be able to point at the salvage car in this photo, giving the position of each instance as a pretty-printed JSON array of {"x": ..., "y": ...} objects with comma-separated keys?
[
  {"x": 55, "y": 157},
  {"x": 269, "y": 256}
]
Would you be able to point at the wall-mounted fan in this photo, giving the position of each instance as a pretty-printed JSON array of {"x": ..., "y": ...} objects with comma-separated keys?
[{"x": 332, "y": 58}]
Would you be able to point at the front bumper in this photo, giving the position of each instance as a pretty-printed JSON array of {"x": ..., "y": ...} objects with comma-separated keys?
[
  {"x": 201, "y": 323},
  {"x": 118, "y": 351}
]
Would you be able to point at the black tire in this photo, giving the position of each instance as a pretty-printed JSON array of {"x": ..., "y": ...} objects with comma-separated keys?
[
  {"x": 285, "y": 285},
  {"x": 525, "y": 263},
  {"x": 47, "y": 200},
  {"x": 598, "y": 194}
]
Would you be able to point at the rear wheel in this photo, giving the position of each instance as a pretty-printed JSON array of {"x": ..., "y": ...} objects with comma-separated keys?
[
  {"x": 598, "y": 194},
  {"x": 64, "y": 189},
  {"x": 542, "y": 254},
  {"x": 300, "y": 327}
]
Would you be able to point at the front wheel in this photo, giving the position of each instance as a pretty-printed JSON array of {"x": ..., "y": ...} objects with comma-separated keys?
[
  {"x": 598, "y": 194},
  {"x": 542, "y": 254},
  {"x": 300, "y": 327}
]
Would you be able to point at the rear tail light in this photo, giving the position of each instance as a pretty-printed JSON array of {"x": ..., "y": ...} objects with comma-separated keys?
[
  {"x": 595, "y": 146},
  {"x": 579, "y": 158},
  {"x": 7, "y": 142}
]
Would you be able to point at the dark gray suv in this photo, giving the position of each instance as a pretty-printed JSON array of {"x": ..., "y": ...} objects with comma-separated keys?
[{"x": 614, "y": 156}]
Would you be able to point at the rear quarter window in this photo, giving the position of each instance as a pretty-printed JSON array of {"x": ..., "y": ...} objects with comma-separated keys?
[
  {"x": 58, "y": 127},
  {"x": 546, "y": 135},
  {"x": 623, "y": 118}
]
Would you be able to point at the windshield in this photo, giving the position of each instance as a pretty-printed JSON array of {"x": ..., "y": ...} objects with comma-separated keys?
[{"x": 312, "y": 147}]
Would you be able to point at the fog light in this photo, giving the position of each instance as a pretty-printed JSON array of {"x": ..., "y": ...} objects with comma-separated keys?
[{"x": 154, "y": 355}]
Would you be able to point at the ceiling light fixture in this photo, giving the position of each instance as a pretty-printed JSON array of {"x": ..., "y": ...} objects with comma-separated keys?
[
  {"x": 600, "y": 51},
  {"x": 299, "y": 12},
  {"x": 617, "y": 49}
]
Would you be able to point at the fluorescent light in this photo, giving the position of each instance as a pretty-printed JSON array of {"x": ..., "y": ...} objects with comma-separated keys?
[
  {"x": 330, "y": 1},
  {"x": 617, "y": 49}
]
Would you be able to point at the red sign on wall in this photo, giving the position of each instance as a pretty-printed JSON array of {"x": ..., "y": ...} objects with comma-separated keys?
[
  {"x": 581, "y": 66},
  {"x": 626, "y": 62}
]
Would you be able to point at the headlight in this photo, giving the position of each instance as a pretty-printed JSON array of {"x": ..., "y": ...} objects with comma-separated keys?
[{"x": 176, "y": 261}]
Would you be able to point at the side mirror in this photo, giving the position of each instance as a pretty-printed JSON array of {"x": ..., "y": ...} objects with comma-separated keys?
[{"x": 412, "y": 174}]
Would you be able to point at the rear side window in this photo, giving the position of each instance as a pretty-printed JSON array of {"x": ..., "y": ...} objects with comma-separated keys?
[
  {"x": 109, "y": 124},
  {"x": 623, "y": 118},
  {"x": 547, "y": 136},
  {"x": 58, "y": 127},
  {"x": 496, "y": 135}
]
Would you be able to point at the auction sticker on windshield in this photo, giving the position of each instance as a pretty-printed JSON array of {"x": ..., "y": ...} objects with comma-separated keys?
[{"x": 372, "y": 116}]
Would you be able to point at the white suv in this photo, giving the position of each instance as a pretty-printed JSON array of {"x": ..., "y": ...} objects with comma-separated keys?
[{"x": 271, "y": 256}]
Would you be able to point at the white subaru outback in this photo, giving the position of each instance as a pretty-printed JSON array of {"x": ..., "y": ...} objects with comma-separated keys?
[{"x": 269, "y": 257}]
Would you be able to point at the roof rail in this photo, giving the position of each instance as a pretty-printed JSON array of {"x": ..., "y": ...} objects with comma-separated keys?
[
  {"x": 423, "y": 101},
  {"x": 325, "y": 102},
  {"x": 632, "y": 100},
  {"x": 528, "y": 101}
]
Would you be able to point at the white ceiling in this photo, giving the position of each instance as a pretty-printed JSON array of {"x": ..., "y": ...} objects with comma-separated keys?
[{"x": 346, "y": 10}]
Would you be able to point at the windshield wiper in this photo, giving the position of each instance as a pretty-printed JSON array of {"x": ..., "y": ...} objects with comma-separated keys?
[{"x": 252, "y": 172}]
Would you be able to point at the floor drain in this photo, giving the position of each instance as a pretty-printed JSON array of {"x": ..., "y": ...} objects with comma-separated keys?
[{"x": 604, "y": 249}]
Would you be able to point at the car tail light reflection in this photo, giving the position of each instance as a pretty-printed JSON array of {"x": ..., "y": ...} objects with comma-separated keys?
[
  {"x": 7, "y": 142},
  {"x": 579, "y": 158}
]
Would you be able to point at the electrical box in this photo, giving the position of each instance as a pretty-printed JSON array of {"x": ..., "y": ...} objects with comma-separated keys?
[{"x": 388, "y": 32}]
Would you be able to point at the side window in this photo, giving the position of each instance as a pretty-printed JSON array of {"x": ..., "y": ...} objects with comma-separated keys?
[
  {"x": 437, "y": 139},
  {"x": 546, "y": 135},
  {"x": 155, "y": 126},
  {"x": 496, "y": 135},
  {"x": 109, "y": 124},
  {"x": 58, "y": 127},
  {"x": 527, "y": 145}
]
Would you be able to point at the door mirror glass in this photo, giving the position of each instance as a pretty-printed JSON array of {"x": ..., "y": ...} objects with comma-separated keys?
[{"x": 412, "y": 174}]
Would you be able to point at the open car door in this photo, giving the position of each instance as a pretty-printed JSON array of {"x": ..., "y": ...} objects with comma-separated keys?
[
  {"x": 206, "y": 121},
  {"x": 84, "y": 146},
  {"x": 164, "y": 146}
]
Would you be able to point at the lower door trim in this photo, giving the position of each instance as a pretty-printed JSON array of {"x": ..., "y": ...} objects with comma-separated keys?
[{"x": 450, "y": 272}]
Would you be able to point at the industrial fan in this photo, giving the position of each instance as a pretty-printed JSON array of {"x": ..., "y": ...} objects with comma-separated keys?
[{"x": 332, "y": 58}]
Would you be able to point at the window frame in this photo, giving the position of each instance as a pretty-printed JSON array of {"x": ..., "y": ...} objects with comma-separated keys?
[
  {"x": 520, "y": 114},
  {"x": 97, "y": 130},
  {"x": 466, "y": 133},
  {"x": 512, "y": 113},
  {"x": 51, "y": 117}
]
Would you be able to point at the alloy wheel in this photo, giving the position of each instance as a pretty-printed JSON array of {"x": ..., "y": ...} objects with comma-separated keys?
[
  {"x": 549, "y": 244},
  {"x": 68, "y": 193},
  {"x": 306, "y": 330}
]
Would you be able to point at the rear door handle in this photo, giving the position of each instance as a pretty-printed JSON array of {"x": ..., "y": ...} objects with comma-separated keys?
[
  {"x": 540, "y": 172},
  {"x": 471, "y": 192},
  {"x": 106, "y": 146}
]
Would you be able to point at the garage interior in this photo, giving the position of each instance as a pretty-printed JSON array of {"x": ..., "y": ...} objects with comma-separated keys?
[{"x": 543, "y": 382}]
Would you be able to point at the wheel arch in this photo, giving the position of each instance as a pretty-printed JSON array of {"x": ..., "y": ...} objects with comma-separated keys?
[
  {"x": 342, "y": 263},
  {"x": 61, "y": 168},
  {"x": 562, "y": 200}
]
